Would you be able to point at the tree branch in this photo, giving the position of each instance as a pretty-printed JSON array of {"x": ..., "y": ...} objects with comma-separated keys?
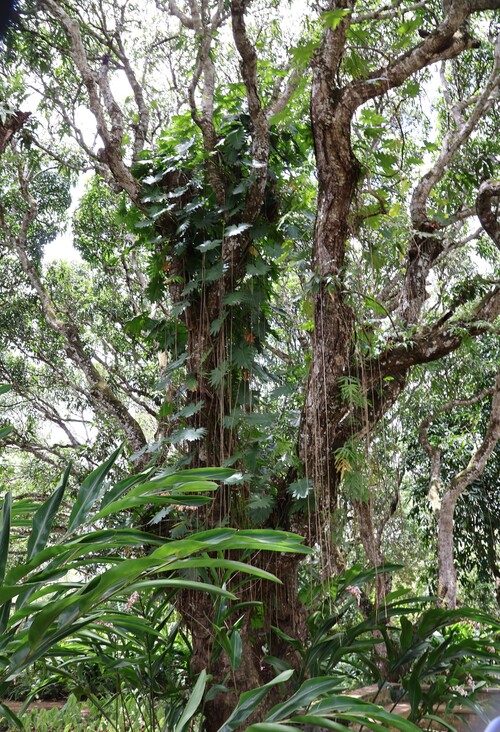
[
  {"x": 280, "y": 102},
  {"x": 452, "y": 143},
  {"x": 98, "y": 85},
  {"x": 260, "y": 131},
  {"x": 489, "y": 192},
  {"x": 384, "y": 377},
  {"x": 447, "y": 41},
  {"x": 434, "y": 453},
  {"x": 101, "y": 394},
  {"x": 387, "y": 12},
  {"x": 12, "y": 124},
  {"x": 478, "y": 461}
]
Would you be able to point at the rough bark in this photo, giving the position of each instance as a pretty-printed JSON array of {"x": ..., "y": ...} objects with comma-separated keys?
[
  {"x": 208, "y": 351},
  {"x": 10, "y": 127},
  {"x": 331, "y": 344},
  {"x": 487, "y": 208},
  {"x": 280, "y": 609},
  {"x": 327, "y": 423}
]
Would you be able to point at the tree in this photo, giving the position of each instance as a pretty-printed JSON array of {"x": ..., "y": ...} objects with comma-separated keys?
[
  {"x": 214, "y": 179},
  {"x": 473, "y": 458},
  {"x": 455, "y": 395}
]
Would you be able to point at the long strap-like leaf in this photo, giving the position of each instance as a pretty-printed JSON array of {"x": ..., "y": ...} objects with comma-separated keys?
[
  {"x": 4, "y": 553},
  {"x": 5, "y": 534},
  {"x": 89, "y": 491},
  {"x": 44, "y": 517}
]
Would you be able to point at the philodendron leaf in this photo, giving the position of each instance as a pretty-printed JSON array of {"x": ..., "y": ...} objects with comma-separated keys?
[
  {"x": 188, "y": 434},
  {"x": 235, "y": 230}
]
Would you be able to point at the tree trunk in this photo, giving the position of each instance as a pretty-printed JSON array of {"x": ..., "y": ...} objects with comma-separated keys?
[
  {"x": 447, "y": 575},
  {"x": 278, "y": 607},
  {"x": 447, "y": 578},
  {"x": 371, "y": 544}
]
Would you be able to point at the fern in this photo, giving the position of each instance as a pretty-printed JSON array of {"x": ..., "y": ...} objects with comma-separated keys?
[{"x": 350, "y": 390}]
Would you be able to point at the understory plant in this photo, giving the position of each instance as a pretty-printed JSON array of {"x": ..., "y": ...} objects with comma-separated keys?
[
  {"x": 433, "y": 658},
  {"x": 94, "y": 608},
  {"x": 95, "y": 605},
  {"x": 74, "y": 593}
]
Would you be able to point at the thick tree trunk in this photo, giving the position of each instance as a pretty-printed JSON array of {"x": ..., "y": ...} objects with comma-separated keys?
[
  {"x": 279, "y": 609},
  {"x": 338, "y": 172}
]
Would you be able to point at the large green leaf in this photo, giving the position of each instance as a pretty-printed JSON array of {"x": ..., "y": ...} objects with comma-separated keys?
[
  {"x": 90, "y": 490},
  {"x": 5, "y": 534},
  {"x": 308, "y": 692},
  {"x": 121, "y": 577},
  {"x": 115, "y": 538},
  {"x": 181, "y": 584},
  {"x": 182, "y": 476},
  {"x": 220, "y": 563},
  {"x": 235, "y": 649},
  {"x": 121, "y": 488},
  {"x": 255, "y": 539},
  {"x": 7, "y": 592},
  {"x": 96, "y": 541},
  {"x": 436, "y": 618},
  {"x": 315, "y": 720},
  {"x": 250, "y": 700},
  {"x": 24, "y": 655},
  {"x": 136, "y": 501},
  {"x": 5, "y": 431},
  {"x": 353, "y": 710},
  {"x": 66, "y": 611},
  {"x": 44, "y": 517},
  {"x": 10, "y": 716},
  {"x": 193, "y": 702},
  {"x": 270, "y": 727},
  {"x": 101, "y": 588}
]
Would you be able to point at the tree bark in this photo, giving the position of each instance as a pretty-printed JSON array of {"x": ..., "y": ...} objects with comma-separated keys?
[{"x": 445, "y": 505}]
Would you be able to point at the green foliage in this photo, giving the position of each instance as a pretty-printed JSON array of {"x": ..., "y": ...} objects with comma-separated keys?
[
  {"x": 98, "y": 234},
  {"x": 231, "y": 379},
  {"x": 457, "y": 433},
  {"x": 121, "y": 625},
  {"x": 118, "y": 635},
  {"x": 126, "y": 714},
  {"x": 83, "y": 618},
  {"x": 428, "y": 656}
]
